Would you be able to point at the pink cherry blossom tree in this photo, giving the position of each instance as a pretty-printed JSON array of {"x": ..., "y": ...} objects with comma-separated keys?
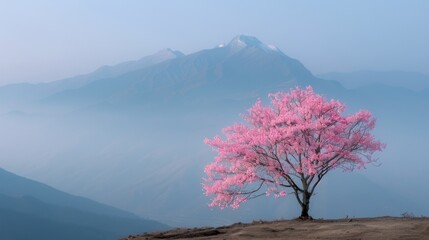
[{"x": 290, "y": 145}]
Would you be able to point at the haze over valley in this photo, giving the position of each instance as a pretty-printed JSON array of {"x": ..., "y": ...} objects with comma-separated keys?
[{"x": 131, "y": 135}]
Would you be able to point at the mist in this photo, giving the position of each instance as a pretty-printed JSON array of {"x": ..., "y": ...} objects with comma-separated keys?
[{"x": 146, "y": 154}]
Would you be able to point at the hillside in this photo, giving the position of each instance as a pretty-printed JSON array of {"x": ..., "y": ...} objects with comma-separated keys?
[
  {"x": 360, "y": 228},
  {"x": 29, "y": 208}
]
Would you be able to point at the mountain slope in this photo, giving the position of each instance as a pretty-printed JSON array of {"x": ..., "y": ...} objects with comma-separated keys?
[
  {"x": 16, "y": 186},
  {"x": 52, "y": 213}
]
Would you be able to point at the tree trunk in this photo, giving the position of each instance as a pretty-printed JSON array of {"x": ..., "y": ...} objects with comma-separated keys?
[
  {"x": 304, "y": 212},
  {"x": 305, "y": 206}
]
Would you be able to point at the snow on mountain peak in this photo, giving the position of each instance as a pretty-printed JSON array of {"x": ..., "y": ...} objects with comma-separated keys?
[
  {"x": 243, "y": 41},
  {"x": 272, "y": 47}
]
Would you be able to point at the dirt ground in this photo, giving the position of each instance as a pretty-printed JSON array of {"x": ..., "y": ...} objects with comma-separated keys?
[{"x": 351, "y": 229}]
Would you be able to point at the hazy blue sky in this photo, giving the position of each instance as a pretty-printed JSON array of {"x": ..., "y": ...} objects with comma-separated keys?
[{"x": 48, "y": 40}]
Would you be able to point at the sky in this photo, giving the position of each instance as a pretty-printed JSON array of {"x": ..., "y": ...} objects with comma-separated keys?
[{"x": 48, "y": 40}]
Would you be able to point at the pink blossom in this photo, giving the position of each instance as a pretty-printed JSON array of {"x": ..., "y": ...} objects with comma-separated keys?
[{"x": 290, "y": 144}]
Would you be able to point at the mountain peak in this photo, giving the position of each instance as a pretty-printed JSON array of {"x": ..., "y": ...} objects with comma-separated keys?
[
  {"x": 244, "y": 41},
  {"x": 169, "y": 52}
]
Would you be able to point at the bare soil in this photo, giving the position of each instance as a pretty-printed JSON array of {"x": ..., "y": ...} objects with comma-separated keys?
[{"x": 351, "y": 229}]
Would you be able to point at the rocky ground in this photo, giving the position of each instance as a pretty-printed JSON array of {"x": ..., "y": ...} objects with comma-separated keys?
[{"x": 353, "y": 229}]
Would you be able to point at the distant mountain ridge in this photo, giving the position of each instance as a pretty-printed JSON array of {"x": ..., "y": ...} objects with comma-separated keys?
[
  {"x": 125, "y": 67},
  {"x": 28, "y": 93},
  {"x": 352, "y": 80},
  {"x": 243, "y": 63}
]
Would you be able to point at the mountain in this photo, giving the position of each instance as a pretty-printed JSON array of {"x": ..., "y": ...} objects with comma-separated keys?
[
  {"x": 242, "y": 66},
  {"x": 32, "y": 209},
  {"x": 135, "y": 140},
  {"x": 410, "y": 80}
]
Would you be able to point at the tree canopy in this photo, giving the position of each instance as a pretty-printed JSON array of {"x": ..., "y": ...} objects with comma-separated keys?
[{"x": 290, "y": 145}]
